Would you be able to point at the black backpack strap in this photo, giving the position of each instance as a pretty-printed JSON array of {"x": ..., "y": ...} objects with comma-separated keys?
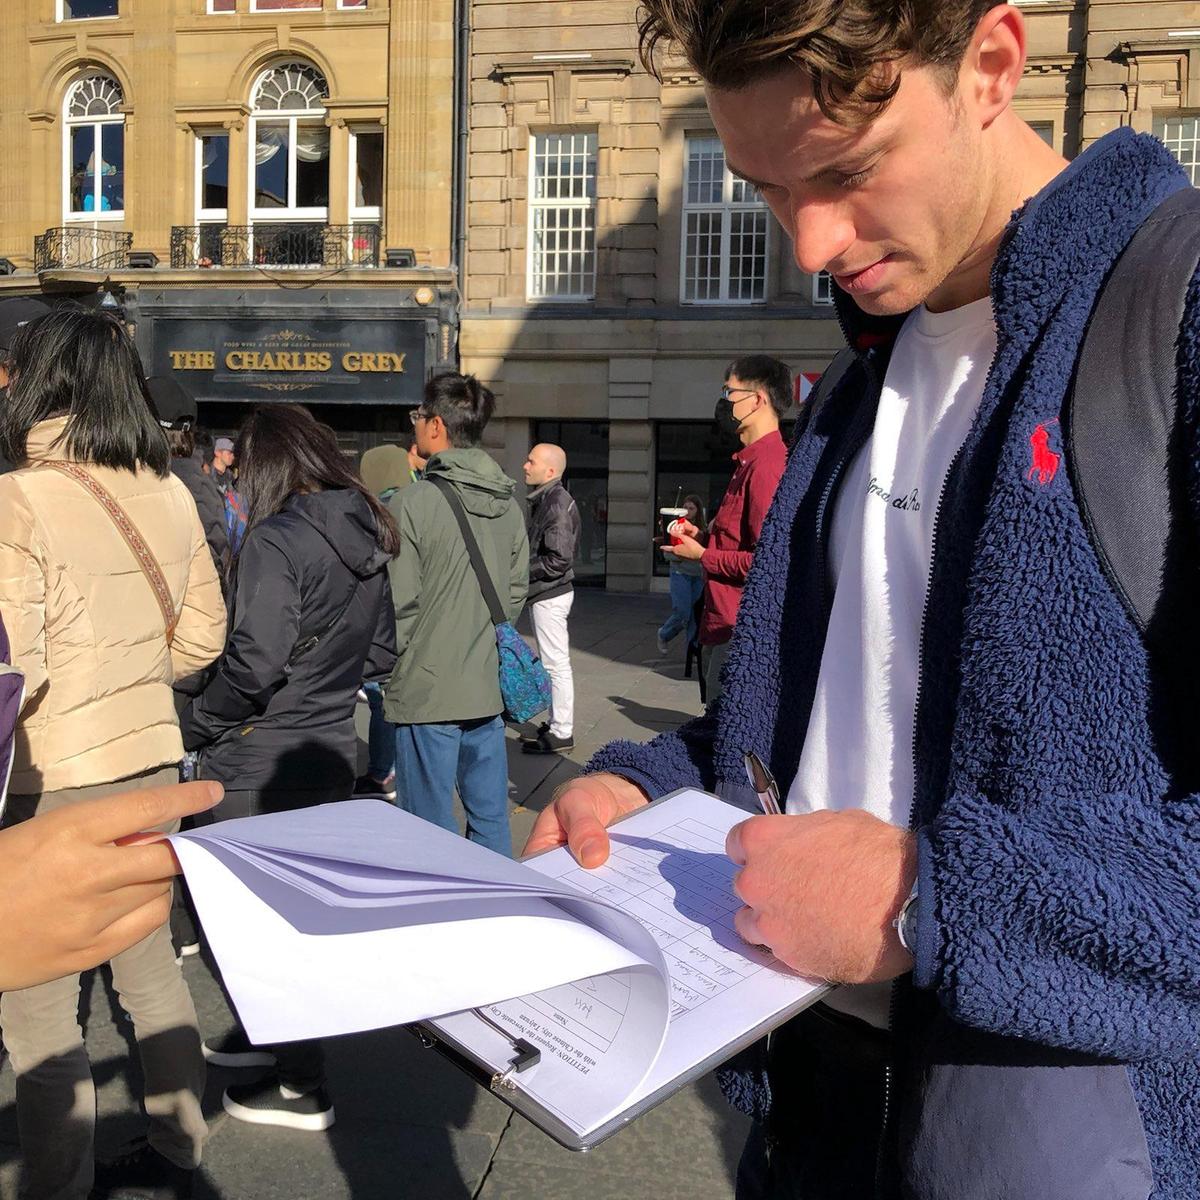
[
  {"x": 490, "y": 596},
  {"x": 1124, "y": 447},
  {"x": 830, "y": 378}
]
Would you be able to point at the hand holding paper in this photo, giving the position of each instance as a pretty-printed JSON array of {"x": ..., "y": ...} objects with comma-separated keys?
[{"x": 629, "y": 979}]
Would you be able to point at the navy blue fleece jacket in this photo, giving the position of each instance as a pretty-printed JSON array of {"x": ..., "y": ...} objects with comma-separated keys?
[{"x": 1057, "y": 801}]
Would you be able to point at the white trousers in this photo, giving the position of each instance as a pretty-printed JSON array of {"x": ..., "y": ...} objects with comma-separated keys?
[{"x": 553, "y": 647}]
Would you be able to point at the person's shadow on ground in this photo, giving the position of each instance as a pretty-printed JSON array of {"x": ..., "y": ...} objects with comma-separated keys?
[{"x": 656, "y": 720}]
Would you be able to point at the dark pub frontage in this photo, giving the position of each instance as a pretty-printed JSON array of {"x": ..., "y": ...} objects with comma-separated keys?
[
  {"x": 357, "y": 351},
  {"x": 357, "y": 356}
]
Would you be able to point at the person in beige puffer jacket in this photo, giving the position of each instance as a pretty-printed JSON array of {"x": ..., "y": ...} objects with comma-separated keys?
[{"x": 89, "y": 634}]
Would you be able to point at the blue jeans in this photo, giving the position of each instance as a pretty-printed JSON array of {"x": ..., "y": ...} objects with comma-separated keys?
[
  {"x": 685, "y": 591},
  {"x": 381, "y": 737},
  {"x": 431, "y": 759}
]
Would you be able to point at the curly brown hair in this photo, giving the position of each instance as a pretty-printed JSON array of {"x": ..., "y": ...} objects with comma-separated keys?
[{"x": 851, "y": 49}]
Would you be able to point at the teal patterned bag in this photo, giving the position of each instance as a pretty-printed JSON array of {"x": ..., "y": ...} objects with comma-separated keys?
[{"x": 524, "y": 684}]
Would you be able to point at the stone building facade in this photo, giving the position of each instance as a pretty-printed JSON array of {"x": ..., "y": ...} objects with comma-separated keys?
[
  {"x": 233, "y": 175},
  {"x": 614, "y": 268},
  {"x": 327, "y": 200}
]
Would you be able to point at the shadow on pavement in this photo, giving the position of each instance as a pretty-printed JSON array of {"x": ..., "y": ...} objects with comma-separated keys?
[{"x": 657, "y": 720}]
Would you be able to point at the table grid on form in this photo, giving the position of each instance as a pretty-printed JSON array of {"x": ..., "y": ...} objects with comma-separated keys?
[{"x": 679, "y": 886}]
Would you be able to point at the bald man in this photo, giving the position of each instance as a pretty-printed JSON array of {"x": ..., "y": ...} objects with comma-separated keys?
[{"x": 553, "y": 544}]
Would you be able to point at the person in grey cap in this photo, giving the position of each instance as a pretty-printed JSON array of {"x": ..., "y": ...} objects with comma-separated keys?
[
  {"x": 222, "y": 463},
  {"x": 14, "y": 313}
]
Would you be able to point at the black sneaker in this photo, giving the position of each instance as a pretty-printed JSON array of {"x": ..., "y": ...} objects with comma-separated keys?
[
  {"x": 367, "y": 787},
  {"x": 268, "y": 1102},
  {"x": 236, "y": 1050},
  {"x": 547, "y": 743},
  {"x": 531, "y": 733},
  {"x": 141, "y": 1173}
]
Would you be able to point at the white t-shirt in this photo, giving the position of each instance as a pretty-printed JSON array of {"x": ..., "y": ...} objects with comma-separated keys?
[{"x": 858, "y": 752}]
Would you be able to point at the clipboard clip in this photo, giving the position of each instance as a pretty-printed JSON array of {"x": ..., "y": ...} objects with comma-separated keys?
[{"x": 525, "y": 1055}]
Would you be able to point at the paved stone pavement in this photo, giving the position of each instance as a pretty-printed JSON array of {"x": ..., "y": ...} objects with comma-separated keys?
[{"x": 408, "y": 1123}]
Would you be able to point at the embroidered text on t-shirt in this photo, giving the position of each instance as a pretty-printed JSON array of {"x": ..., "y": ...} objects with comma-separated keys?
[{"x": 911, "y": 502}]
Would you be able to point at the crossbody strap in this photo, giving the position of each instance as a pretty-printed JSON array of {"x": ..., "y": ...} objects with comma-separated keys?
[
  {"x": 830, "y": 378},
  {"x": 133, "y": 539},
  {"x": 1125, "y": 445},
  {"x": 490, "y": 597}
]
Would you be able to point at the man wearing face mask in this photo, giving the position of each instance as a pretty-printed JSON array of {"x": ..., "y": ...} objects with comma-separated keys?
[{"x": 757, "y": 392}]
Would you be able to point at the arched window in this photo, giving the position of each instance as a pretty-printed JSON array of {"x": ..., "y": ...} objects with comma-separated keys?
[
  {"x": 290, "y": 144},
  {"x": 94, "y": 149}
]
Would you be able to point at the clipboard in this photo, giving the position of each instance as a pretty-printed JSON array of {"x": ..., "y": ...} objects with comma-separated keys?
[{"x": 501, "y": 1073}]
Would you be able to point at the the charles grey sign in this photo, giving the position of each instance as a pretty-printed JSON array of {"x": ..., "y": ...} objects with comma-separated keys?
[{"x": 349, "y": 361}]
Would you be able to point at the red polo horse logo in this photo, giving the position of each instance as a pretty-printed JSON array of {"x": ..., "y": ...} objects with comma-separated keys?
[{"x": 1045, "y": 461}]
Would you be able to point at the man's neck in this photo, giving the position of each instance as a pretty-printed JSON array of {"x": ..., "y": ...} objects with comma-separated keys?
[
  {"x": 749, "y": 434},
  {"x": 1027, "y": 166}
]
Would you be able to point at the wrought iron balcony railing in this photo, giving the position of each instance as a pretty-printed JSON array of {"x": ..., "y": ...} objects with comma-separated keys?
[
  {"x": 275, "y": 244},
  {"x": 81, "y": 247}
]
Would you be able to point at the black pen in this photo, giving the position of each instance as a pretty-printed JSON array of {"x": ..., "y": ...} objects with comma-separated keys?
[{"x": 763, "y": 783}]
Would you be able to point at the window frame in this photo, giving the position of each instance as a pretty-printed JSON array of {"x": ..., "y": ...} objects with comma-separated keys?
[
  {"x": 213, "y": 12},
  {"x": 61, "y": 17},
  {"x": 294, "y": 119},
  {"x": 210, "y": 216},
  {"x": 366, "y": 212},
  {"x": 822, "y": 283},
  {"x": 255, "y": 10},
  {"x": 726, "y": 206},
  {"x": 533, "y": 205},
  {"x": 1162, "y": 119},
  {"x": 96, "y": 124}
]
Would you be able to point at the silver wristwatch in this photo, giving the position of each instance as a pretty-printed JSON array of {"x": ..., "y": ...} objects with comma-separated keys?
[{"x": 905, "y": 923}]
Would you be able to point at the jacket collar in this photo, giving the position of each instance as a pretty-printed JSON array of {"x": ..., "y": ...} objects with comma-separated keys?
[
  {"x": 40, "y": 442},
  {"x": 1077, "y": 224},
  {"x": 534, "y": 495}
]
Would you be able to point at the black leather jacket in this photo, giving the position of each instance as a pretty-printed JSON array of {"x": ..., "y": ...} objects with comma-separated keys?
[{"x": 553, "y": 541}]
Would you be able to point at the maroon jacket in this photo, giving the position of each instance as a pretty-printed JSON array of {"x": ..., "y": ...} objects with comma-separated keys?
[{"x": 733, "y": 534}]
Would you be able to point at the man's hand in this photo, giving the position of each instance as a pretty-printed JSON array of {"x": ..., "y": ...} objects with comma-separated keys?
[
  {"x": 580, "y": 813},
  {"x": 821, "y": 891},
  {"x": 688, "y": 548},
  {"x": 83, "y": 883}
]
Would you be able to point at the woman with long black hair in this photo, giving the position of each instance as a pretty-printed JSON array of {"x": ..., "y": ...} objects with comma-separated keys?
[
  {"x": 310, "y": 619},
  {"x": 109, "y": 594}
]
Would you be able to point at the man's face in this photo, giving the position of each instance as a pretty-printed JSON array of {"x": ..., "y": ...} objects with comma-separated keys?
[
  {"x": 746, "y": 398},
  {"x": 223, "y": 460},
  {"x": 536, "y": 470},
  {"x": 890, "y": 208},
  {"x": 424, "y": 430}
]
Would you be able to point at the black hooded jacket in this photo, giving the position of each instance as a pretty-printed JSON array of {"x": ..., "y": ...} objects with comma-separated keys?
[
  {"x": 209, "y": 505},
  {"x": 310, "y": 618}
]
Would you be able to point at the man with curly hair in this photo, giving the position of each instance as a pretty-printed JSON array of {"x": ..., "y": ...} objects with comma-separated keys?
[{"x": 990, "y": 838}]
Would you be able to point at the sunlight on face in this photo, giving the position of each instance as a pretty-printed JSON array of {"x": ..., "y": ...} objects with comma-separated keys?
[{"x": 890, "y": 208}]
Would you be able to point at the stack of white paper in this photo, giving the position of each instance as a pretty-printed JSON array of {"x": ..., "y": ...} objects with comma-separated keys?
[{"x": 358, "y": 915}]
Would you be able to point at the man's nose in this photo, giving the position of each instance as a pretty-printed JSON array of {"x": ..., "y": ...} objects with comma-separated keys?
[{"x": 821, "y": 234}]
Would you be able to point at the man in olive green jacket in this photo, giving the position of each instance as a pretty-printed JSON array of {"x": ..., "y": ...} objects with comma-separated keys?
[{"x": 444, "y": 695}]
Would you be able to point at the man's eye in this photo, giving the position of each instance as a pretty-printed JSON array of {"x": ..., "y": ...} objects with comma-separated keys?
[{"x": 855, "y": 178}]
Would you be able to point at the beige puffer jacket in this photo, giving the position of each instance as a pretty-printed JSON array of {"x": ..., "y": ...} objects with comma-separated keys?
[{"x": 84, "y": 623}]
